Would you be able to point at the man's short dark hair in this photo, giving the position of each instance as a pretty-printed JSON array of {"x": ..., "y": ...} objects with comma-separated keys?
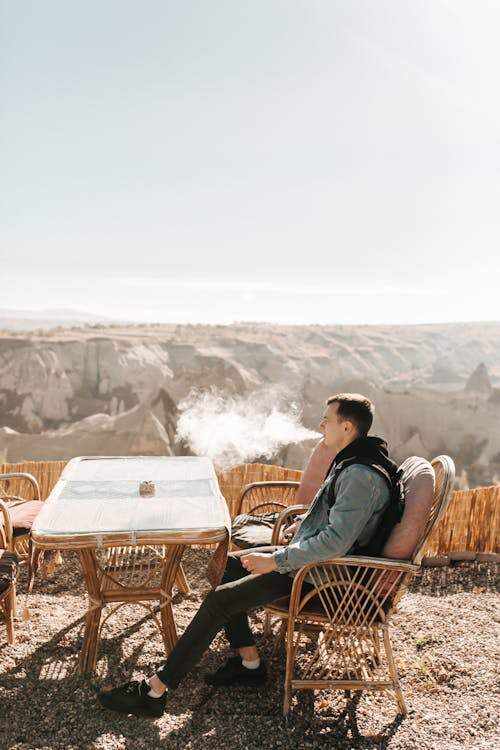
[{"x": 355, "y": 407}]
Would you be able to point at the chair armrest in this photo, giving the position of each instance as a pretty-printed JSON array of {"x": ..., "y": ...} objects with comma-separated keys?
[
  {"x": 383, "y": 563},
  {"x": 6, "y": 531},
  {"x": 271, "y": 484},
  {"x": 284, "y": 518},
  {"x": 21, "y": 475}
]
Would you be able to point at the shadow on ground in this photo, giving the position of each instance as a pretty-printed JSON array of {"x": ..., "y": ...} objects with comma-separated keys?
[
  {"x": 46, "y": 704},
  {"x": 198, "y": 716}
]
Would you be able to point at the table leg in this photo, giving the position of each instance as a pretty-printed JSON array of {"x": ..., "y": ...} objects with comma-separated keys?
[
  {"x": 170, "y": 572},
  {"x": 88, "y": 655},
  {"x": 181, "y": 581}
]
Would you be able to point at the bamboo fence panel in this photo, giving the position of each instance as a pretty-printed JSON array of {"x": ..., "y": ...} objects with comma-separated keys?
[
  {"x": 471, "y": 522},
  {"x": 45, "y": 472}
]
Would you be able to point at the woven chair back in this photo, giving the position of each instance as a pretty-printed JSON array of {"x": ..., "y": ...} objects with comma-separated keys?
[{"x": 266, "y": 497}]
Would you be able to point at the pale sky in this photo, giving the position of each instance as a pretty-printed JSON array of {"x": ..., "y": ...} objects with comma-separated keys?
[{"x": 283, "y": 160}]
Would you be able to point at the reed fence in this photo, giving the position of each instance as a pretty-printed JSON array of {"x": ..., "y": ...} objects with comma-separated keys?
[{"x": 471, "y": 523}]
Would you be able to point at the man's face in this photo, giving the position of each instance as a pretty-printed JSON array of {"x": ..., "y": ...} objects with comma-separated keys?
[{"x": 333, "y": 427}]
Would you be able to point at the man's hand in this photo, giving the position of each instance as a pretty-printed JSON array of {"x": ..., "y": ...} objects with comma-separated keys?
[
  {"x": 258, "y": 562},
  {"x": 289, "y": 532}
]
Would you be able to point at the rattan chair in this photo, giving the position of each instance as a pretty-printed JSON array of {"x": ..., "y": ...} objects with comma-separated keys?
[
  {"x": 266, "y": 497},
  {"x": 22, "y": 534},
  {"x": 347, "y": 612},
  {"x": 8, "y": 571}
]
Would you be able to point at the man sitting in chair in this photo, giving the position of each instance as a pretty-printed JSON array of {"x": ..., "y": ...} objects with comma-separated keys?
[{"x": 343, "y": 517}]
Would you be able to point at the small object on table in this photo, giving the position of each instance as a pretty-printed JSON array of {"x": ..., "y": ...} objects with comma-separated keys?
[{"x": 147, "y": 489}]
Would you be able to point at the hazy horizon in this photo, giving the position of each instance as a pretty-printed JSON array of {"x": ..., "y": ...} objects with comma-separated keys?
[
  {"x": 290, "y": 162},
  {"x": 63, "y": 317}
]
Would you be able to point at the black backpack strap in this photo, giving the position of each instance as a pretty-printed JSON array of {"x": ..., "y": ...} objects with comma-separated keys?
[{"x": 350, "y": 462}]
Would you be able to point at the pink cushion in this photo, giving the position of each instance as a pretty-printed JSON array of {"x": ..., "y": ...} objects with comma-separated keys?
[
  {"x": 22, "y": 514},
  {"x": 314, "y": 473},
  {"x": 418, "y": 479}
]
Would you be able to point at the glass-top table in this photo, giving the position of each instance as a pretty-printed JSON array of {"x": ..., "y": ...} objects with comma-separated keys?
[{"x": 130, "y": 545}]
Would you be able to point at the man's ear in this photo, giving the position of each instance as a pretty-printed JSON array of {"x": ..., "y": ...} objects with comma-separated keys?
[{"x": 349, "y": 426}]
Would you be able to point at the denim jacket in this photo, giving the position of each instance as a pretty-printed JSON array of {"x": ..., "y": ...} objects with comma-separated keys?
[{"x": 361, "y": 496}]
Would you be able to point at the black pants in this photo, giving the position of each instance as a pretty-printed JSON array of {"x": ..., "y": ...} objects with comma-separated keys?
[{"x": 225, "y": 607}]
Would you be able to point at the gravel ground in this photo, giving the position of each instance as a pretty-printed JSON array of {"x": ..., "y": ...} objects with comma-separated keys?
[{"x": 445, "y": 639}]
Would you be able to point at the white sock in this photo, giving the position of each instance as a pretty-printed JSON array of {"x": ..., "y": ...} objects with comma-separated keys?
[
  {"x": 152, "y": 693},
  {"x": 251, "y": 663}
]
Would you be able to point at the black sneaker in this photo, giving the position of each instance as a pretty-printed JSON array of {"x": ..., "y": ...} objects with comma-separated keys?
[
  {"x": 234, "y": 673},
  {"x": 133, "y": 698}
]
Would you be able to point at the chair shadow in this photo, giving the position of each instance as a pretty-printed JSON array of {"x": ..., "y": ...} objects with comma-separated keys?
[
  {"x": 344, "y": 724},
  {"x": 382, "y": 738},
  {"x": 340, "y": 721}
]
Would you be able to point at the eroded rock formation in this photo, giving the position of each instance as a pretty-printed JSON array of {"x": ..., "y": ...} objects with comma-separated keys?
[{"x": 117, "y": 390}]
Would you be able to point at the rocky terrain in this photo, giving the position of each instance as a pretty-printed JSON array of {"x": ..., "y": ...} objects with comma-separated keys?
[{"x": 120, "y": 390}]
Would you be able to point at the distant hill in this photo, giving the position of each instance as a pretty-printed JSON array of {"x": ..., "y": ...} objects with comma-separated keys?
[
  {"x": 119, "y": 388},
  {"x": 30, "y": 320}
]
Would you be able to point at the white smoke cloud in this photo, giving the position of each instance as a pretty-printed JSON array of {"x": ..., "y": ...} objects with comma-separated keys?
[{"x": 232, "y": 430}]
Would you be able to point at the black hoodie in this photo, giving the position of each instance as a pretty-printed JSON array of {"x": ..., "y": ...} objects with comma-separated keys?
[{"x": 370, "y": 451}]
